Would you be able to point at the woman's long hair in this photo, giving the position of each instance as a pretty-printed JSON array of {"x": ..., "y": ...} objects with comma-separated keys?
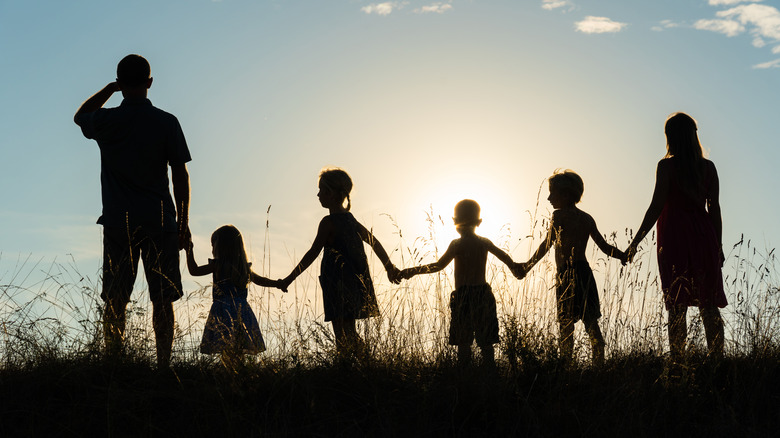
[
  {"x": 682, "y": 143},
  {"x": 230, "y": 256}
]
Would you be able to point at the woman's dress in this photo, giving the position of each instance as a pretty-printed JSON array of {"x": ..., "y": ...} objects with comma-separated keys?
[{"x": 689, "y": 257}]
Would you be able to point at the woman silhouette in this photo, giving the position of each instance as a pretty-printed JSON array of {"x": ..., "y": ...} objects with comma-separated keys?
[{"x": 685, "y": 205}]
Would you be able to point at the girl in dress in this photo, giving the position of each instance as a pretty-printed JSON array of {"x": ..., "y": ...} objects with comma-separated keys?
[
  {"x": 689, "y": 225},
  {"x": 231, "y": 326},
  {"x": 347, "y": 288}
]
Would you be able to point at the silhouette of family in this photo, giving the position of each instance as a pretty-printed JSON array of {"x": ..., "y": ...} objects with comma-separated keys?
[{"x": 139, "y": 142}]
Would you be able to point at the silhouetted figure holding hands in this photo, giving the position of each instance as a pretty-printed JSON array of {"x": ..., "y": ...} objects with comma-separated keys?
[
  {"x": 231, "y": 326},
  {"x": 687, "y": 211},
  {"x": 347, "y": 289},
  {"x": 577, "y": 295},
  {"x": 140, "y": 220},
  {"x": 472, "y": 304}
]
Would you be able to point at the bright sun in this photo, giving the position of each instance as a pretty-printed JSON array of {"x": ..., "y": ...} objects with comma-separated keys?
[{"x": 500, "y": 212}]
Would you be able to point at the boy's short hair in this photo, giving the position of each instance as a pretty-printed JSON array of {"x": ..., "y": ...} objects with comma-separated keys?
[
  {"x": 568, "y": 182},
  {"x": 133, "y": 70},
  {"x": 467, "y": 213}
]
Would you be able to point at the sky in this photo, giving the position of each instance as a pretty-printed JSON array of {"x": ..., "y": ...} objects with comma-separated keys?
[{"x": 424, "y": 103}]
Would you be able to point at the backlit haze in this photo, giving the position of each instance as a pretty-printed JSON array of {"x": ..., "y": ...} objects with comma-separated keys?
[{"x": 424, "y": 103}]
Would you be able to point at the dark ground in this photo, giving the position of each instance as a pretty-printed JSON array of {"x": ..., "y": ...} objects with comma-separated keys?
[{"x": 634, "y": 397}]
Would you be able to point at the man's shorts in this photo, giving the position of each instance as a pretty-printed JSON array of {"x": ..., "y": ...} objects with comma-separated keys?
[
  {"x": 473, "y": 316},
  {"x": 123, "y": 247}
]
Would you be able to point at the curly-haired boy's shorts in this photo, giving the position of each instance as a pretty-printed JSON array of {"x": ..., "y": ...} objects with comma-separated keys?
[{"x": 473, "y": 316}]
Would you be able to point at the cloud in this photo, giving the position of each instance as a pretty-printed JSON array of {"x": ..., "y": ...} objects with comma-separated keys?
[
  {"x": 764, "y": 20},
  {"x": 776, "y": 50},
  {"x": 770, "y": 64},
  {"x": 593, "y": 24},
  {"x": 385, "y": 8},
  {"x": 665, "y": 24},
  {"x": 730, "y": 2},
  {"x": 557, "y": 4},
  {"x": 727, "y": 27},
  {"x": 438, "y": 8}
]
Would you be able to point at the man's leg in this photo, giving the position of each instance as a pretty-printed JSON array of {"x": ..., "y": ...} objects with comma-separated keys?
[
  {"x": 120, "y": 264},
  {"x": 162, "y": 322},
  {"x": 160, "y": 253}
]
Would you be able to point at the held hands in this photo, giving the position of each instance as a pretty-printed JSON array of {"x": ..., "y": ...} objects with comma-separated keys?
[
  {"x": 629, "y": 254},
  {"x": 519, "y": 270},
  {"x": 393, "y": 274},
  {"x": 281, "y": 285},
  {"x": 284, "y": 283}
]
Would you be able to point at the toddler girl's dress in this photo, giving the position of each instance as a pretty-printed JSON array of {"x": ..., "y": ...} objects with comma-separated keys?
[
  {"x": 688, "y": 250},
  {"x": 231, "y": 321},
  {"x": 347, "y": 288}
]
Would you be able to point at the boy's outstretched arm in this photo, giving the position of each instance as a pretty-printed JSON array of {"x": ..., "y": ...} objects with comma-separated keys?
[
  {"x": 539, "y": 253},
  {"x": 436, "y": 266},
  {"x": 518, "y": 269},
  {"x": 605, "y": 247},
  {"x": 393, "y": 274}
]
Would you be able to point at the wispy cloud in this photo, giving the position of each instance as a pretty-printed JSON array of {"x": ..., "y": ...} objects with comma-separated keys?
[
  {"x": 665, "y": 24},
  {"x": 762, "y": 22},
  {"x": 730, "y": 2},
  {"x": 557, "y": 4},
  {"x": 770, "y": 64},
  {"x": 726, "y": 27},
  {"x": 593, "y": 24},
  {"x": 385, "y": 8},
  {"x": 438, "y": 8}
]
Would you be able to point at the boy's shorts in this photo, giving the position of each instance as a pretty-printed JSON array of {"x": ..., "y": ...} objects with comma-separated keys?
[
  {"x": 577, "y": 294},
  {"x": 473, "y": 316},
  {"x": 122, "y": 248}
]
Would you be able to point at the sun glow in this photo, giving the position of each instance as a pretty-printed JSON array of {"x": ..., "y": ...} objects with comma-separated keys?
[{"x": 500, "y": 212}]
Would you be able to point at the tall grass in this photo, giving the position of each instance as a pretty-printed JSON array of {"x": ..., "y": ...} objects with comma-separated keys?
[{"x": 53, "y": 310}]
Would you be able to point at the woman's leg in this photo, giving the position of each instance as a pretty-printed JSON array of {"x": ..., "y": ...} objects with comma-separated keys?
[
  {"x": 713, "y": 329},
  {"x": 678, "y": 331}
]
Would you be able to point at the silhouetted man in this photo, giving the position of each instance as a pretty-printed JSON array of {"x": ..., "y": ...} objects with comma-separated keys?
[{"x": 140, "y": 220}]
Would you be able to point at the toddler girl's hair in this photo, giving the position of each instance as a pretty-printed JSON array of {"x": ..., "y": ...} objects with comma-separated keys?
[
  {"x": 682, "y": 143},
  {"x": 230, "y": 256},
  {"x": 568, "y": 182},
  {"x": 339, "y": 182}
]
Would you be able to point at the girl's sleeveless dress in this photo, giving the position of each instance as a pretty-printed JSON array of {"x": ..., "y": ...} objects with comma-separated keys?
[
  {"x": 688, "y": 250},
  {"x": 231, "y": 321},
  {"x": 347, "y": 288}
]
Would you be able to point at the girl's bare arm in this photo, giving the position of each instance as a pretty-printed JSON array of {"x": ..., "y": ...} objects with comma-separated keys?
[
  {"x": 193, "y": 267},
  {"x": 324, "y": 231}
]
